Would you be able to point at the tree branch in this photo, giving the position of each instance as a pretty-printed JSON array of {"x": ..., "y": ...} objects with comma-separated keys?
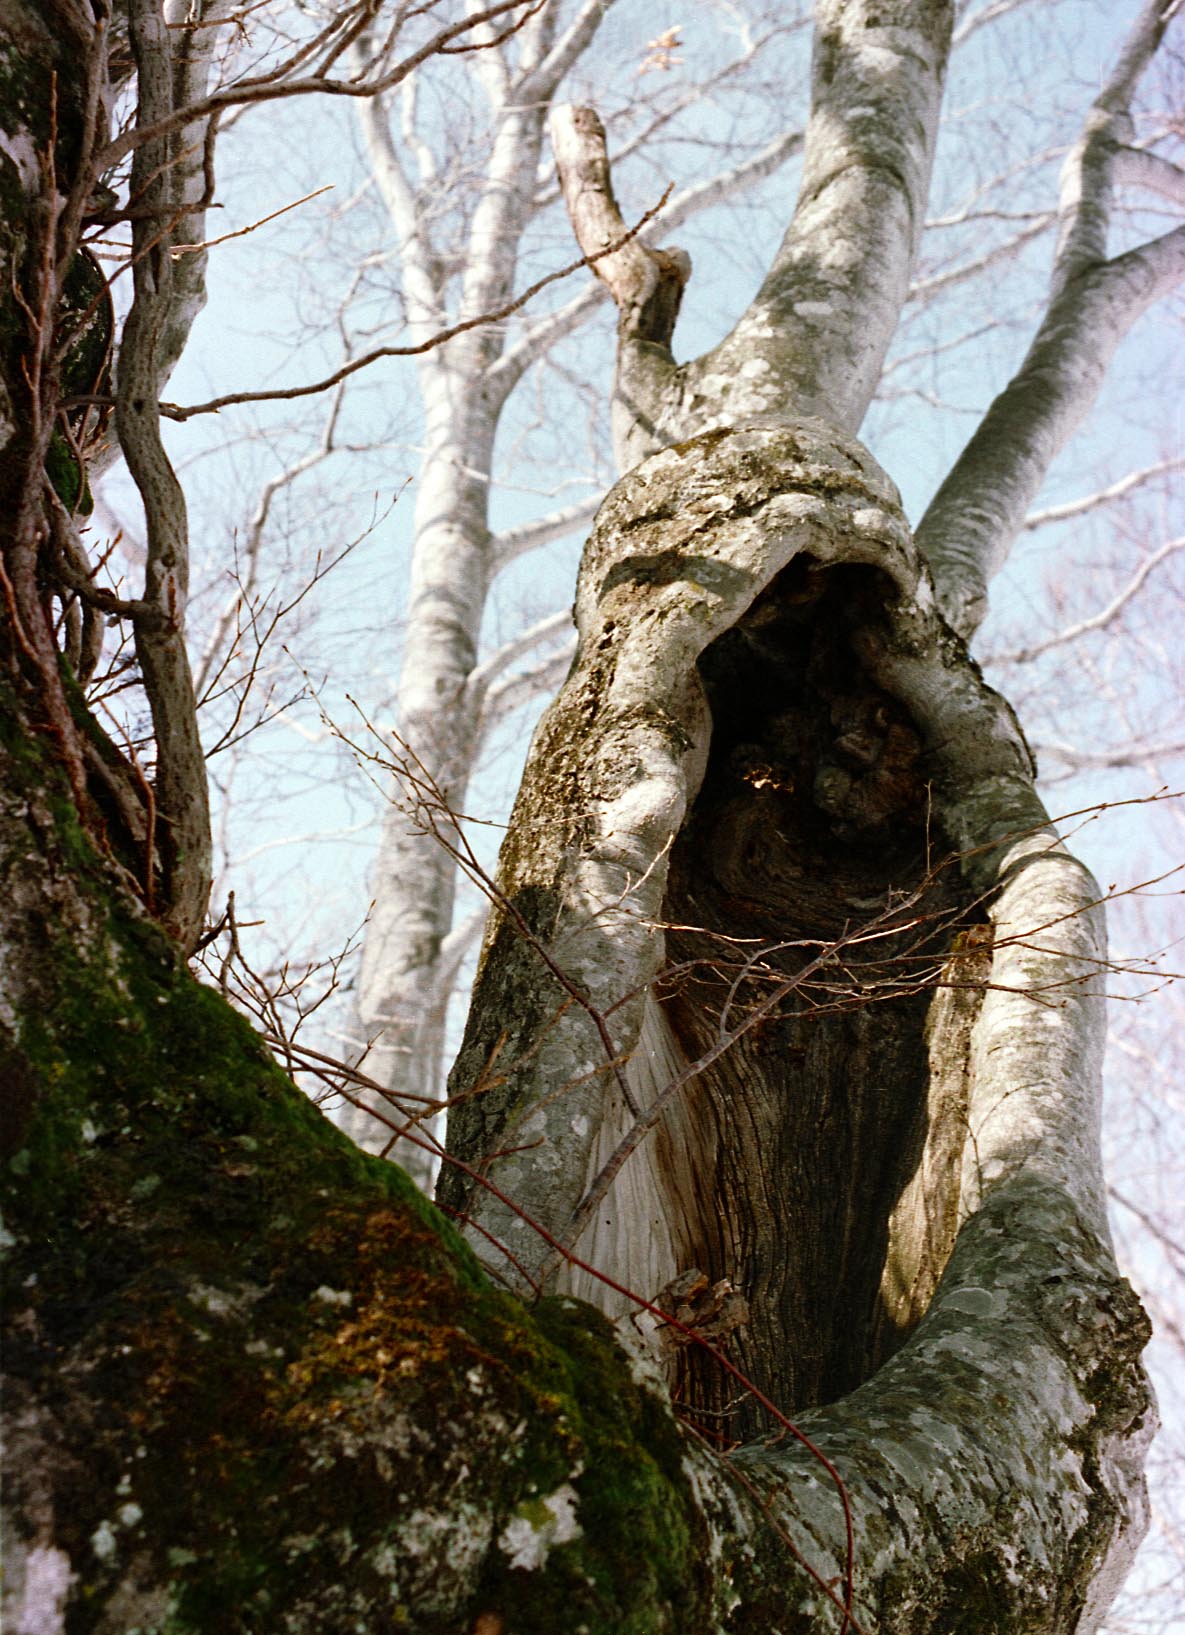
[
  {"x": 176, "y": 411},
  {"x": 1139, "y": 167},
  {"x": 1102, "y": 496},
  {"x": 539, "y": 339},
  {"x": 971, "y": 522},
  {"x": 425, "y": 314},
  {"x": 512, "y": 543},
  {"x": 1089, "y": 173},
  {"x": 539, "y": 83},
  {"x": 814, "y": 338},
  {"x": 646, "y": 284},
  {"x": 518, "y": 690},
  {"x": 283, "y": 82},
  {"x": 164, "y": 292},
  {"x": 487, "y": 672}
]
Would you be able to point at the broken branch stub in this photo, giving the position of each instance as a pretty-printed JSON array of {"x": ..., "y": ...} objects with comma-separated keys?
[{"x": 646, "y": 284}]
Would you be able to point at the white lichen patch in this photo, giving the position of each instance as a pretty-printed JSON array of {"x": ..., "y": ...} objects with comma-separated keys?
[
  {"x": 813, "y": 309},
  {"x": 22, "y": 150},
  {"x": 38, "y": 1604},
  {"x": 333, "y": 1297},
  {"x": 636, "y": 1335},
  {"x": 435, "y": 1556},
  {"x": 975, "y": 1302},
  {"x": 103, "y": 1541},
  {"x": 224, "y": 1302},
  {"x": 261, "y": 1348},
  {"x": 216, "y": 1301},
  {"x": 538, "y": 1526}
]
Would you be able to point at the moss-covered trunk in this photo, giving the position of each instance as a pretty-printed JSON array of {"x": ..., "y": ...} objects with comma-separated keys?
[{"x": 253, "y": 1380}]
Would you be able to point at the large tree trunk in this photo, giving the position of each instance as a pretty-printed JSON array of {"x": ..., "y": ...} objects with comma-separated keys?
[
  {"x": 255, "y": 1383},
  {"x": 792, "y": 994}
]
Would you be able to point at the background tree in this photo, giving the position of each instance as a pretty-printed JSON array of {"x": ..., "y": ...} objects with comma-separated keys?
[
  {"x": 459, "y": 245},
  {"x": 216, "y": 1210}
]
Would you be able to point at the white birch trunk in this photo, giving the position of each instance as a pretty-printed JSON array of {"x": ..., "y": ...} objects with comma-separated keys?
[{"x": 403, "y": 992}]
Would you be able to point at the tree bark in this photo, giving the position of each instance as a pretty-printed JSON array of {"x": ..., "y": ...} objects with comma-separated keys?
[
  {"x": 288, "y": 1398},
  {"x": 255, "y": 1382}
]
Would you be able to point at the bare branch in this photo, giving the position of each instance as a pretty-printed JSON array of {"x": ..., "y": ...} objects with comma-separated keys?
[
  {"x": 176, "y": 411},
  {"x": 1103, "y": 496},
  {"x": 512, "y": 543},
  {"x": 1088, "y": 176},
  {"x": 726, "y": 184},
  {"x": 970, "y": 525},
  {"x": 486, "y": 673},
  {"x": 1100, "y": 620},
  {"x": 181, "y": 794},
  {"x": 285, "y": 82},
  {"x": 540, "y": 82},
  {"x": 1138, "y": 167},
  {"x": 425, "y": 313},
  {"x": 646, "y": 284},
  {"x": 519, "y": 690}
]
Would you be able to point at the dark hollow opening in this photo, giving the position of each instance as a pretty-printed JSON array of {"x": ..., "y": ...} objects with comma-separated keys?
[{"x": 811, "y": 828}]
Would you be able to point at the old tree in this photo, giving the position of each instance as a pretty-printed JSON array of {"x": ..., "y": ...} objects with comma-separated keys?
[{"x": 788, "y": 1018}]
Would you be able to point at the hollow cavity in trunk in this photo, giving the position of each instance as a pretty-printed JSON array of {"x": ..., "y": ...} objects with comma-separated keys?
[{"x": 810, "y": 851}]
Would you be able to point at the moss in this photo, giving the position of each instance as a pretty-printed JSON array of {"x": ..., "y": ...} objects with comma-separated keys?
[{"x": 289, "y": 1397}]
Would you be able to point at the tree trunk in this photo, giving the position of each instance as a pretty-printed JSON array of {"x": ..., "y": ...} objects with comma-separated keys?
[
  {"x": 403, "y": 992},
  {"x": 288, "y": 1399},
  {"x": 402, "y": 998}
]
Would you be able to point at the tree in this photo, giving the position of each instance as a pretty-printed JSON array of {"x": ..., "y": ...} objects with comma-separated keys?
[
  {"x": 447, "y": 701},
  {"x": 773, "y": 789}
]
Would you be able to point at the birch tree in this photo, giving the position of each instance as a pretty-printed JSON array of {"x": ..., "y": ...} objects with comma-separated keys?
[
  {"x": 786, "y": 1042},
  {"x": 451, "y": 694}
]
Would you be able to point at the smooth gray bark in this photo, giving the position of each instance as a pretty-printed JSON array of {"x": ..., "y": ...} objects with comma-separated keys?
[{"x": 585, "y": 1103}]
